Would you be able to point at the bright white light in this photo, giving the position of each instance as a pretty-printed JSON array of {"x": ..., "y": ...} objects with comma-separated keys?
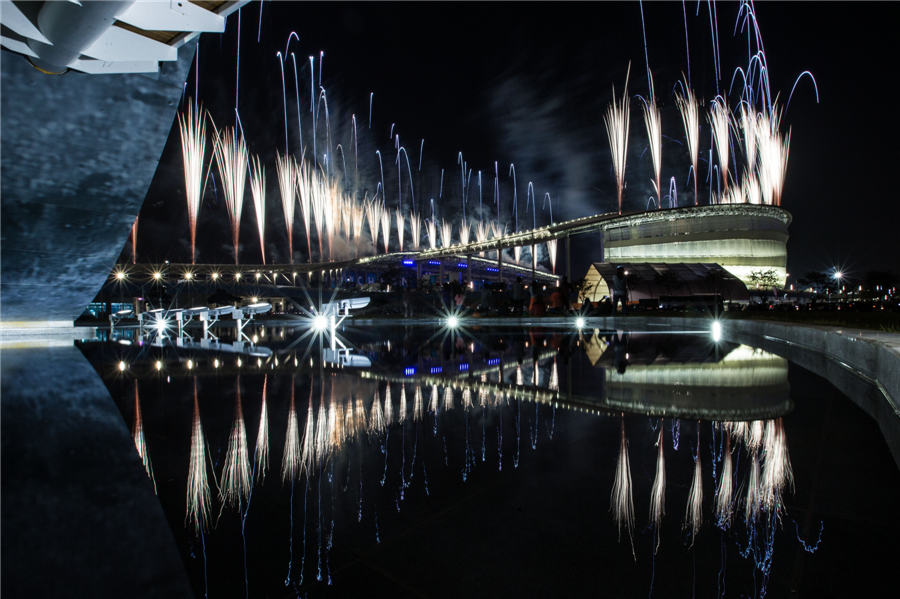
[
  {"x": 159, "y": 365},
  {"x": 579, "y": 322},
  {"x": 838, "y": 275},
  {"x": 716, "y": 331},
  {"x": 160, "y": 324},
  {"x": 190, "y": 364},
  {"x": 254, "y": 299},
  {"x": 216, "y": 363},
  {"x": 188, "y": 276},
  {"x": 452, "y": 321},
  {"x": 215, "y": 276},
  {"x": 157, "y": 276},
  {"x": 122, "y": 366},
  {"x": 320, "y": 322},
  {"x": 239, "y": 362},
  {"x": 120, "y": 275}
]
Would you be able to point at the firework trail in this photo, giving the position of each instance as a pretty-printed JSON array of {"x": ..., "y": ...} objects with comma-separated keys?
[
  {"x": 433, "y": 403},
  {"x": 724, "y": 494},
  {"x": 388, "y": 405},
  {"x": 286, "y": 172},
  {"x": 748, "y": 129},
  {"x": 464, "y": 232},
  {"x": 618, "y": 120},
  {"x": 446, "y": 233},
  {"x": 431, "y": 229},
  {"x": 335, "y": 422},
  {"x": 752, "y": 504},
  {"x": 777, "y": 472},
  {"x": 415, "y": 229},
  {"x": 137, "y": 434},
  {"x": 198, "y": 496},
  {"x": 551, "y": 250},
  {"x": 192, "y": 130},
  {"x": 658, "y": 491},
  {"x": 385, "y": 215},
  {"x": 401, "y": 226},
  {"x": 373, "y": 217},
  {"x": 258, "y": 193},
  {"x": 308, "y": 447},
  {"x": 773, "y": 157},
  {"x": 621, "y": 501},
  {"x": 467, "y": 399},
  {"x": 376, "y": 416},
  {"x": 358, "y": 220},
  {"x": 322, "y": 432},
  {"x": 693, "y": 514},
  {"x": 236, "y": 470},
  {"x": 402, "y": 415},
  {"x": 754, "y": 437},
  {"x": 360, "y": 417},
  {"x": 231, "y": 159},
  {"x": 303, "y": 173},
  {"x": 720, "y": 121},
  {"x": 653, "y": 124},
  {"x": 291, "y": 459},
  {"x": 690, "y": 118},
  {"x": 261, "y": 453},
  {"x": 134, "y": 232},
  {"x": 751, "y": 191},
  {"x": 448, "y": 398},
  {"x": 417, "y": 404}
]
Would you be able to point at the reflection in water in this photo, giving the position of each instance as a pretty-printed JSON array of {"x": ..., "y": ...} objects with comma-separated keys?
[
  {"x": 622, "y": 503},
  {"x": 235, "y": 487},
  {"x": 724, "y": 501},
  {"x": 693, "y": 515},
  {"x": 349, "y": 438},
  {"x": 658, "y": 492},
  {"x": 261, "y": 453},
  {"x": 198, "y": 496},
  {"x": 138, "y": 435}
]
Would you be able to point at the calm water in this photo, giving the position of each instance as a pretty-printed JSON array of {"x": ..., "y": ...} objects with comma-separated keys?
[{"x": 506, "y": 462}]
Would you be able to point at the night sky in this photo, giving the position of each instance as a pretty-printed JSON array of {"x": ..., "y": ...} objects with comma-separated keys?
[{"x": 529, "y": 84}]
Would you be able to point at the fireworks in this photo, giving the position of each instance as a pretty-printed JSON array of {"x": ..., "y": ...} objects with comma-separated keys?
[
  {"x": 431, "y": 229},
  {"x": 621, "y": 501},
  {"x": 385, "y": 226},
  {"x": 138, "y": 436},
  {"x": 198, "y": 497},
  {"x": 287, "y": 173},
  {"x": 777, "y": 472},
  {"x": 551, "y": 250},
  {"x": 464, "y": 232},
  {"x": 724, "y": 502},
  {"x": 231, "y": 158},
  {"x": 258, "y": 193},
  {"x": 658, "y": 491},
  {"x": 308, "y": 448},
  {"x": 415, "y": 229},
  {"x": 417, "y": 404},
  {"x": 618, "y": 119},
  {"x": 261, "y": 452},
  {"x": 752, "y": 504},
  {"x": 720, "y": 121},
  {"x": 376, "y": 416},
  {"x": 448, "y": 398},
  {"x": 690, "y": 118},
  {"x": 773, "y": 157},
  {"x": 652, "y": 121},
  {"x": 446, "y": 233},
  {"x": 401, "y": 227},
  {"x": 291, "y": 459},
  {"x": 402, "y": 416},
  {"x": 236, "y": 470},
  {"x": 693, "y": 514},
  {"x": 192, "y": 129}
]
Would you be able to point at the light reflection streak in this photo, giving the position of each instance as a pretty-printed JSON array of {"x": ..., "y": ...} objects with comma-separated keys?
[
  {"x": 198, "y": 498},
  {"x": 621, "y": 500},
  {"x": 658, "y": 491},
  {"x": 140, "y": 442},
  {"x": 261, "y": 452}
]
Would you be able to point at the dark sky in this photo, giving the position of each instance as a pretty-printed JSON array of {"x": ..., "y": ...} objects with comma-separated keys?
[{"x": 528, "y": 84}]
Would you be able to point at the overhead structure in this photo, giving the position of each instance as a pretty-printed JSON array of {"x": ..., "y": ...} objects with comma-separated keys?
[{"x": 116, "y": 36}]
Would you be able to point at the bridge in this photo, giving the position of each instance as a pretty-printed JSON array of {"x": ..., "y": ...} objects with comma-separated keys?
[{"x": 737, "y": 236}]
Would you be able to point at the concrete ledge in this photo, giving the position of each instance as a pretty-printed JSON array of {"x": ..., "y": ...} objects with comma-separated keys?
[{"x": 874, "y": 356}]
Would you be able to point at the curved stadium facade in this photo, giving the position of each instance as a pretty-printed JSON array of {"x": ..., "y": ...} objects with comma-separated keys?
[{"x": 745, "y": 239}]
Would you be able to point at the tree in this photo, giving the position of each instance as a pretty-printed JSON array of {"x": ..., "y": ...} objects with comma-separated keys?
[{"x": 764, "y": 278}]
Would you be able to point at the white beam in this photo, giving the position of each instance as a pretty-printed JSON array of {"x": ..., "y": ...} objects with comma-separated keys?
[
  {"x": 117, "y": 44},
  {"x": 172, "y": 15},
  {"x": 101, "y": 67}
]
